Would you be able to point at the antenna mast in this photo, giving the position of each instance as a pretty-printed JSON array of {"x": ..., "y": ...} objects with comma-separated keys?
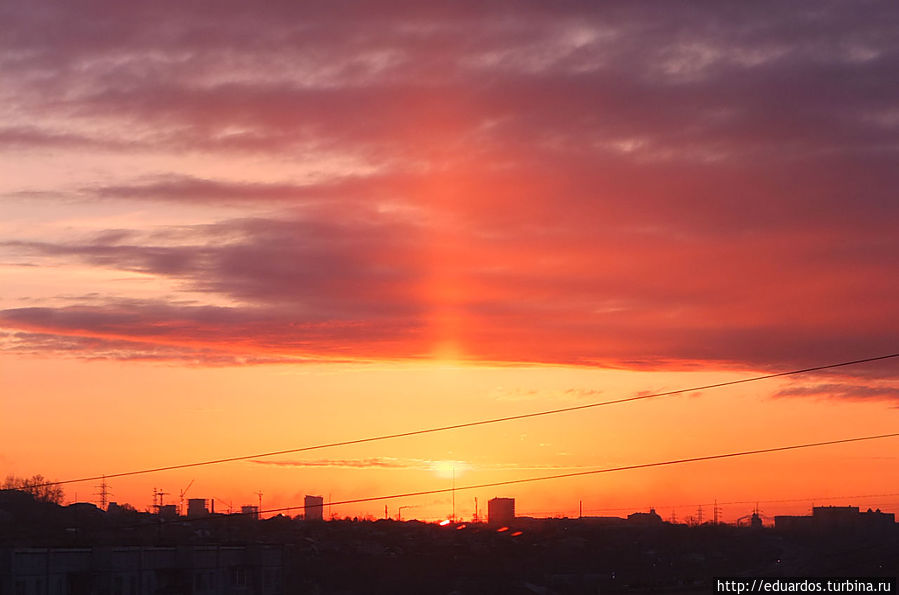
[{"x": 454, "y": 492}]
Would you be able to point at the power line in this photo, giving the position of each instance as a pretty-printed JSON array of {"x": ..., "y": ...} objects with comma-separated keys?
[
  {"x": 547, "y": 477},
  {"x": 482, "y": 422},
  {"x": 741, "y": 453}
]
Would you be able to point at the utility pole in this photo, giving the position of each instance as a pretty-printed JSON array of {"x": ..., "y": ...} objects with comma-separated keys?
[
  {"x": 699, "y": 515},
  {"x": 580, "y": 509},
  {"x": 259, "y": 493},
  {"x": 454, "y": 492}
]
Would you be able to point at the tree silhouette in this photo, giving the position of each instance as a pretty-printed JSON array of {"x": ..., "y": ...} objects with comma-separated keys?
[{"x": 37, "y": 485}]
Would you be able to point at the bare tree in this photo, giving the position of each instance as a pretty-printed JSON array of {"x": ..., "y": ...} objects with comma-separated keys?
[{"x": 38, "y": 486}]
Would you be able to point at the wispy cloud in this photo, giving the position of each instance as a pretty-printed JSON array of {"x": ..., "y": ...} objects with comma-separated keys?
[
  {"x": 855, "y": 392},
  {"x": 439, "y": 466},
  {"x": 370, "y": 463}
]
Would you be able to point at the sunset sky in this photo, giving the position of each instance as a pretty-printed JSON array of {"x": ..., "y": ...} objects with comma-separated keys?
[{"x": 233, "y": 227}]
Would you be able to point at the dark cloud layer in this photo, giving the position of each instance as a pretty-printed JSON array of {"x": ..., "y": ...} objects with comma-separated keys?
[{"x": 543, "y": 182}]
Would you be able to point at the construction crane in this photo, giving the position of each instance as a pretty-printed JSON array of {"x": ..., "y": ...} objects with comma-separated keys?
[
  {"x": 228, "y": 503},
  {"x": 181, "y": 496}
]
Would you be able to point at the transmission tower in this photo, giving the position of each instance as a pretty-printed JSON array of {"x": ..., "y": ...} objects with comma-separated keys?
[{"x": 103, "y": 493}]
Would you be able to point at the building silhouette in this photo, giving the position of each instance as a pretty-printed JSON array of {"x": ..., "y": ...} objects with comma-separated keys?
[
  {"x": 836, "y": 518},
  {"x": 755, "y": 521},
  {"x": 196, "y": 507},
  {"x": 251, "y": 512},
  {"x": 313, "y": 508},
  {"x": 47, "y": 549},
  {"x": 645, "y": 518},
  {"x": 501, "y": 511}
]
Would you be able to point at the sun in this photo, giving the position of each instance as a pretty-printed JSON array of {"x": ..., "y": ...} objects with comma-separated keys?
[{"x": 448, "y": 469}]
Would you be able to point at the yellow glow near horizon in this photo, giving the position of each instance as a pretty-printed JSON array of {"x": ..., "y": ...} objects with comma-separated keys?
[{"x": 449, "y": 469}]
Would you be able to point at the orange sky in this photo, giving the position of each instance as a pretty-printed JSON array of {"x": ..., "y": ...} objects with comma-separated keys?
[
  {"x": 104, "y": 421},
  {"x": 230, "y": 231}
]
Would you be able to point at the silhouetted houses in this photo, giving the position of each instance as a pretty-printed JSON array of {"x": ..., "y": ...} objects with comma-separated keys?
[
  {"x": 313, "y": 508},
  {"x": 114, "y": 508},
  {"x": 251, "y": 512},
  {"x": 836, "y": 518},
  {"x": 644, "y": 518},
  {"x": 46, "y": 549},
  {"x": 500, "y": 511},
  {"x": 85, "y": 511},
  {"x": 872, "y": 519}
]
